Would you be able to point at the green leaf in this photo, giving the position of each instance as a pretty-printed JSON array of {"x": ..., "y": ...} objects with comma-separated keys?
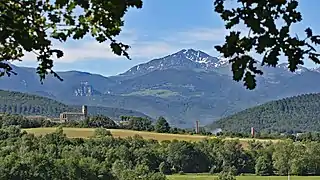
[
  {"x": 284, "y": 32},
  {"x": 272, "y": 58},
  {"x": 218, "y": 48},
  {"x": 116, "y": 48},
  {"x": 232, "y": 23},
  {"x": 250, "y": 81},
  {"x": 219, "y": 6},
  {"x": 54, "y": 18},
  {"x": 101, "y": 38},
  {"x": 309, "y": 32},
  {"x": 71, "y": 6},
  {"x": 292, "y": 5},
  {"x": 314, "y": 58},
  {"x": 59, "y": 35},
  {"x": 315, "y": 39},
  {"x": 58, "y": 52},
  {"x": 61, "y": 3},
  {"x": 238, "y": 67},
  {"x": 226, "y": 15}
]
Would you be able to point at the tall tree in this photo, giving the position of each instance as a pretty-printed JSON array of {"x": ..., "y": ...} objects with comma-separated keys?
[
  {"x": 162, "y": 126},
  {"x": 282, "y": 157},
  {"x": 263, "y": 165}
]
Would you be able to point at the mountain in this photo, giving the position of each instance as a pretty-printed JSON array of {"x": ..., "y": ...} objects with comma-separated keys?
[
  {"x": 26, "y": 104},
  {"x": 184, "y": 59},
  {"x": 295, "y": 114},
  {"x": 74, "y": 83},
  {"x": 185, "y": 86}
]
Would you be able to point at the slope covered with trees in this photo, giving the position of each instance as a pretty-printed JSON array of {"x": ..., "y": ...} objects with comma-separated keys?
[
  {"x": 27, "y": 104},
  {"x": 295, "y": 114}
]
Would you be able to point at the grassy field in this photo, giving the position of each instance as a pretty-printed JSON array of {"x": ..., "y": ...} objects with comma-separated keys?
[
  {"x": 87, "y": 132},
  {"x": 210, "y": 177}
]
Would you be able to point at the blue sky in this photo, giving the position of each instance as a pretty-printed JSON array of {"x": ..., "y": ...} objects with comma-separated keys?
[{"x": 160, "y": 28}]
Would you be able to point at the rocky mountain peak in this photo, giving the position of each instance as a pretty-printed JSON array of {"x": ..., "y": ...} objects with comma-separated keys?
[
  {"x": 284, "y": 66},
  {"x": 195, "y": 55},
  {"x": 183, "y": 59}
]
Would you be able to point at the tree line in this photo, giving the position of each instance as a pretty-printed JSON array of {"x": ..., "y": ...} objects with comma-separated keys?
[
  {"x": 55, "y": 156},
  {"x": 161, "y": 125}
]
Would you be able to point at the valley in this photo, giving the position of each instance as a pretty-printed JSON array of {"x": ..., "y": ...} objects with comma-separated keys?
[{"x": 183, "y": 87}]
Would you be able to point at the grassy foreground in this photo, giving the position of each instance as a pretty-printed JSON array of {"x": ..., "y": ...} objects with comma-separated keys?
[{"x": 210, "y": 177}]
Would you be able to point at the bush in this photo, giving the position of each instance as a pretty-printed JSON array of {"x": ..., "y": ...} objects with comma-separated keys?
[
  {"x": 228, "y": 173},
  {"x": 164, "y": 168},
  {"x": 102, "y": 132},
  {"x": 226, "y": 176}
]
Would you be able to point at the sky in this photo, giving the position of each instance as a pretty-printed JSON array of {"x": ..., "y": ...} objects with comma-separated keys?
[{"x": 160, "y": 28}]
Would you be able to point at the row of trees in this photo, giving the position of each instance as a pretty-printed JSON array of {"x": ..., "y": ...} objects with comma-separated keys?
[
  {"x": 54, "y": 156},
  {"x": 161, "y": 125},
  {"x": 144, "y": 124}
]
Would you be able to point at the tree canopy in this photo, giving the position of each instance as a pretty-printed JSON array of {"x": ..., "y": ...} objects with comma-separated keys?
[
  {"x": 264, "y": 37},
  {"x": 32, "y": 25}
]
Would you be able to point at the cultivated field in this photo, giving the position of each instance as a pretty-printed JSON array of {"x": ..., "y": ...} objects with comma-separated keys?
[
  {"x": 210, "y": 177},
  {"x": 88, "y": 132}
]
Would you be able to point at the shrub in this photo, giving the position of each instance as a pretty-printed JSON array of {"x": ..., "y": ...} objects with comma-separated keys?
[{"x": 102, "y": 132}]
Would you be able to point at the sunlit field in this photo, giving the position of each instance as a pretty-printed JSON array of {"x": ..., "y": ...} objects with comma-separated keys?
[{"x": 89, "y": 132}]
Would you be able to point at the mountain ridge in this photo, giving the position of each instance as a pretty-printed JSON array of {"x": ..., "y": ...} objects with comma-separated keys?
[{"x": 185, "y": 90}]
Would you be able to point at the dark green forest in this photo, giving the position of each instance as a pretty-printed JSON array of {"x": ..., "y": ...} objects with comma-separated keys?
[
  {"x": 27, "y": 104},
  {"x": 289, "y": 115}
]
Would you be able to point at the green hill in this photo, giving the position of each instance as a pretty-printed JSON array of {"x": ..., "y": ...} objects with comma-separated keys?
[
  {"x": 294, "y": 114},
  {"x": 26, "y": 104}
]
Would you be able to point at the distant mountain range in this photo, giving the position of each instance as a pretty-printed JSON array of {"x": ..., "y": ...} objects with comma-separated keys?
[
  {"x": 289, "y": 115},
  {"x": 183, "y": 87}
]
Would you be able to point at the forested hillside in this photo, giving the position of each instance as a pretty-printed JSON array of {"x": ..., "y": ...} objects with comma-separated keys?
[
  {"x": 26, "y": 104},
  {"x": 295, "y": 114}
]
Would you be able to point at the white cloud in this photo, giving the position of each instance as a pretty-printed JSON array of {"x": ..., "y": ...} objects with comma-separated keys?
[
  {"x": 200, "y": 38},
  {"x": 201, "y": 34},
  {"x": 86, "y": 48}
]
